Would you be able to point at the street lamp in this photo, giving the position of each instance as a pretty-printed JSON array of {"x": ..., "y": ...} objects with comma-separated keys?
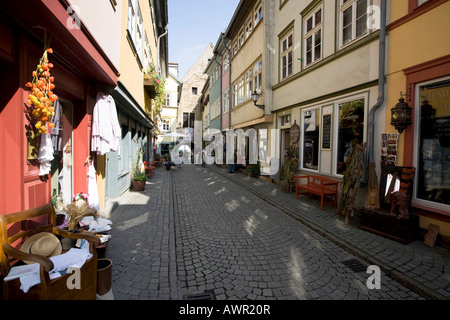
[
  {"x": 401, "y": 115},
  {"x": 255, "y": 97}
]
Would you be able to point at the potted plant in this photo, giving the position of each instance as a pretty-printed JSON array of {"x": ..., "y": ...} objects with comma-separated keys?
[
  {"x": 138, "y": 176},
  {"x": 139, "y": 180}
]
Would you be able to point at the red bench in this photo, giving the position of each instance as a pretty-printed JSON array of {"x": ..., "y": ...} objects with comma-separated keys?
[
  {"x": 318, "y": 185},
  {"x": 149, "y": 169}
]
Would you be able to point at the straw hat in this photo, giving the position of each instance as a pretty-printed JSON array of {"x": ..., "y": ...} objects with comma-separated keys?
[{"x": 45, "y": 244}]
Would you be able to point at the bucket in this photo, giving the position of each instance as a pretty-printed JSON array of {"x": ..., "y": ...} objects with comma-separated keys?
[{"x": 103, "y": 276}]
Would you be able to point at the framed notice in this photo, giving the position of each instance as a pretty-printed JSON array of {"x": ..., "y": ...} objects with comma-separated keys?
[{"x": 326, "y": 132}]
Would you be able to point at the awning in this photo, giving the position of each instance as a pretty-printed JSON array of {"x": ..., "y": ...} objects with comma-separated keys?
[{"x": 128, "y": 105}]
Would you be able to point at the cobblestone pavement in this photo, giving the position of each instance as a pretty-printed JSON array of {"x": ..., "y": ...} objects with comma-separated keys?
[{"x": 199, "y": 230}]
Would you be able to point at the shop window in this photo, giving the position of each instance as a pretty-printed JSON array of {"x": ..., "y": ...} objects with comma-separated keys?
[
  {"x": 433, "y": 147},
  {"x": 350, "y": 131},
  {"x": 311, "y": 126}
]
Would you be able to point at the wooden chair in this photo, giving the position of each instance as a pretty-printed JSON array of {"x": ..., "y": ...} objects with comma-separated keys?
[{"x": 15, "y": 228}]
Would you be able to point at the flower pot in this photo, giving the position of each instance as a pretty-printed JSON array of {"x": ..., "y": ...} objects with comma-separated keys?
[{"x": 138, "y": 185}]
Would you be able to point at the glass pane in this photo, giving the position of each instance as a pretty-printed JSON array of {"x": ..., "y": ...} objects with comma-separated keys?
[
  {"x": 311, "y": 139},
  {"x": 318, "y": 42},
  {"x": 350, "y": 131},
  {"x": 434, "y": 144},
  {"x": 318, "y": 16},
  {"x": 309, "y": 24}
]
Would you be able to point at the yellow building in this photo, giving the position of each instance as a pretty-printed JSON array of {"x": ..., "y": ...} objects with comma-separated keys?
[
  {"x": 250, "y": 38},
  {"x": 419, "y": 67},
  {"x": 143, "y": 43}
]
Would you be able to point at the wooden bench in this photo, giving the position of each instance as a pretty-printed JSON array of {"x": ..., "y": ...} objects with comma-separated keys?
[{"x": 318, "y": 185}]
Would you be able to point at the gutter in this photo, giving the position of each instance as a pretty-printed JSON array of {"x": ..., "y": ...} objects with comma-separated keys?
[
  {"x": 158, "y": 48},
  {"x": 381, "y": 84}
]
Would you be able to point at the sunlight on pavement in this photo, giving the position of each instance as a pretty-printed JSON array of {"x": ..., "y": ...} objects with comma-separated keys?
[{"x": 133, "y": 222}]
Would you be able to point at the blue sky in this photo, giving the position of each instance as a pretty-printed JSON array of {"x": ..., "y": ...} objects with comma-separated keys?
[{"x": 193, "y": 24}]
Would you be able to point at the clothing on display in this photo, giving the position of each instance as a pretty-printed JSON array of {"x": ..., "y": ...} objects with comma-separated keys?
[
  {"x": 106, "y": 132},
  {"x": 45, "y": 155}
]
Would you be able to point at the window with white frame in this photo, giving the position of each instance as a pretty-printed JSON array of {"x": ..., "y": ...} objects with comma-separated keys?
[
  {"x": 131, "y": 21},
  {"x": 241, "y": 90},
  {"x": 257, "y": 76},
  {"x": 258, "y": 13},
  {"x": 135, "y": 27},
  {"x": 226, "y": 101},
  {"x": 287, "y": 55},
  {"x": 235, "y": 95},
  {"x": 353, "y": 20},
  {"x": 248, "y": 85},
  {"x": 234, "y": 48},
  {"x": 248, "y": 27},
  {"x": 313, "y": 36},
  {"x": 165, "y": 124},
  {"x": 215, "y": 109},
  {"x": 241, "y": 38},
  {"x": 139, "y": 32},
  {"x": 168, "y": 99},
  {"x": 226, "y": 61}
]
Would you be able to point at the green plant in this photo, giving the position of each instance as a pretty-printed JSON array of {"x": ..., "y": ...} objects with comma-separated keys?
[
  {"x": 138, "y": 171},
  {"x": 159, "y": 101},
  {"x": 254, "y": 169}
]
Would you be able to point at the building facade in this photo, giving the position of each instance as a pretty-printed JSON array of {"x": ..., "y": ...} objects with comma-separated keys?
[
  {"x": 189, "y": 109},
  {"x": 250, "y": 39},
  {"x": 85, "y": 63},
  {"x": 88, "y": 56},
  {"x": 326, "y": 78},
  {"x": 169, "y": 114},
  {"x": 419, "y": 68}
]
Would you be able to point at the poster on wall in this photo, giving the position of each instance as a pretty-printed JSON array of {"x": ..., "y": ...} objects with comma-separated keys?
[{"x": 389, "y": 143}]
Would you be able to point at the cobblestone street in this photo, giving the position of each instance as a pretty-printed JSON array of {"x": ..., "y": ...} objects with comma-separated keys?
[{"x": 199, "y": 231}]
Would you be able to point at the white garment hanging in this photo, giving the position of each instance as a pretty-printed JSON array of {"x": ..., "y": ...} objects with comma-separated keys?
[
  {"x": 45, "y": 154},
  {"x": 106, "y": 132},
  {"x": 92, "y": 188}
]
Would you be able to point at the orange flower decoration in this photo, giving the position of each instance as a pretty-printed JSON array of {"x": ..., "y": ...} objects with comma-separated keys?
[{"x": 41, "y": 97}]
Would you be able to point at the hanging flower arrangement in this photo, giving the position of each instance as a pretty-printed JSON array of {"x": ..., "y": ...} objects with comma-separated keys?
[
  {"x": 159, "y": 101},
  {"x": 41, "y": 98}
]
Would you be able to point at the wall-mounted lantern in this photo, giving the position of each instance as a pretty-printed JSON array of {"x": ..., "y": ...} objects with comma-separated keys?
[
  {"x": 401, "y": 115},
  {"x": 255, "y": 97}
]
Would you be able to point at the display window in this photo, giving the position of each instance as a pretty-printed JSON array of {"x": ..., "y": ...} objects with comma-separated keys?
[
  {"x": 350, "y": 131},
  {"x": 432, "y": 147}
]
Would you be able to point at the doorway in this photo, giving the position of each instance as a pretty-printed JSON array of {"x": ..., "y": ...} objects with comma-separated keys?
[{"x": 62, "y": 171}]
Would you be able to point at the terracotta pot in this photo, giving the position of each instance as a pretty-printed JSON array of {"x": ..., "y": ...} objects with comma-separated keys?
[{"x": 138, "y": 185}]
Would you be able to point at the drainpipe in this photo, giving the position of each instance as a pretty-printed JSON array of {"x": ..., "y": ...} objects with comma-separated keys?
[
  {"x": 381, "y": 84},
  {"x": 159, "y": 42}
]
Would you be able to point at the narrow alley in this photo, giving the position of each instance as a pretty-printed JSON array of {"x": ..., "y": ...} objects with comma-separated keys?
[{"x": 200, "y": 233}]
